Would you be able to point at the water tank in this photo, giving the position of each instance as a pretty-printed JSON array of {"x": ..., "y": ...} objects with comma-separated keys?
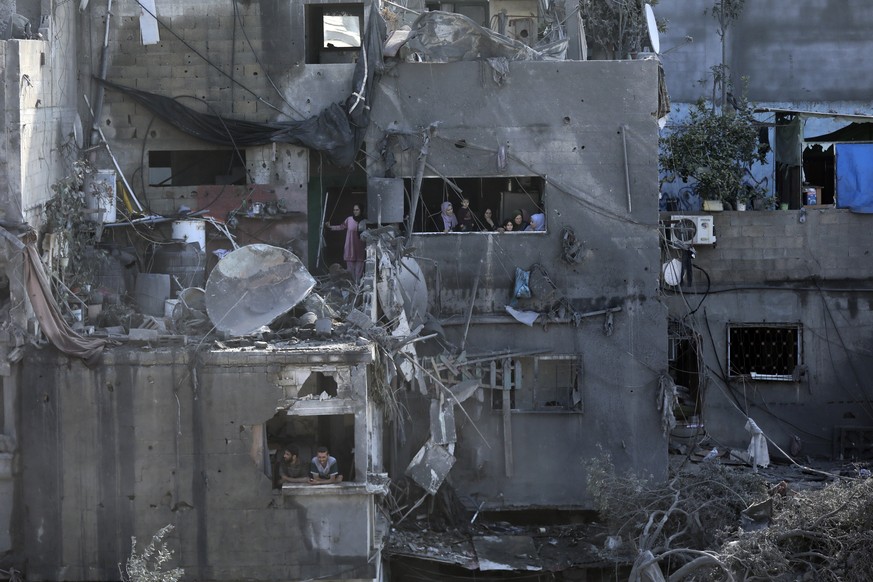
[{"x": 184, "y": 262}]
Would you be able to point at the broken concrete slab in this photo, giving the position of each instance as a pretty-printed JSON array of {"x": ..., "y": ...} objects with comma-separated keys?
[
  {"x": 507, "y": 553},
  {"x": 430, "y": 466}
]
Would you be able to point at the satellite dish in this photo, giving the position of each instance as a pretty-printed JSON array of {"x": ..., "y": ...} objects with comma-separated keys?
[
  {"x": 652, "y": 25},
  {"x": 672, "y": 271},
  {"x": 253, "y": 285}
]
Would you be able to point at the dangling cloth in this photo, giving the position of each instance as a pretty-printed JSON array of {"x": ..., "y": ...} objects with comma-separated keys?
[{"x": 758, "y": 453}]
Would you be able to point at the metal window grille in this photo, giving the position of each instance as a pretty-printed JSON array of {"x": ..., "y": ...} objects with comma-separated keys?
[{"x": 765, "y": 351}]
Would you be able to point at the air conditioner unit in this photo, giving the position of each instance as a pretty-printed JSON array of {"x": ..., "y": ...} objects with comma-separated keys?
[{"x": 696, "y": 230}]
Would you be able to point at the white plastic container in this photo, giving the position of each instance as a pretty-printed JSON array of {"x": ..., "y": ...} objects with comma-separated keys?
[
  {"x": 190, "y": 231},
  {"x": 99, "y": 190}
]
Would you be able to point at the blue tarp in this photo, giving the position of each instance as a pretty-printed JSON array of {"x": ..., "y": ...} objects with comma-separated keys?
[{"x": 854, "y": 169}]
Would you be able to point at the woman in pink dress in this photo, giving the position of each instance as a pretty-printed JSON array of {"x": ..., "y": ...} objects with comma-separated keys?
[{"x": 353, "y": 251}]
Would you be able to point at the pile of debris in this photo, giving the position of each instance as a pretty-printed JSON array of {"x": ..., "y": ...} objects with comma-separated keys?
[{"x": 717, "y": 522}]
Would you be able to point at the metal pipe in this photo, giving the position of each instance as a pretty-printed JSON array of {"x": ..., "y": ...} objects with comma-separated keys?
[
  {"x": 104, "y": 68},
  {"x": 626, "y": 168}
]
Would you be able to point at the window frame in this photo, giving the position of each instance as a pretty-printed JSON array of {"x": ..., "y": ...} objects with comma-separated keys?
[
  {"x": 316, "y": 49},
  {"x": 525, "y": 391},
  {"x": 780, "y": 376}
]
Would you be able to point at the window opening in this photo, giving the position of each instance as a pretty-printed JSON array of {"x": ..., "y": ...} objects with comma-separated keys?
[
  {"x": 196, "y": 167},
  {"x": 503, "y": 197},
  {"x": 684, "y": 368},
  {"x": 764, "y": 351},
  {"x": 316, "y": 384},
  {"x": 307, "y": 433},
  {"x": 475, "y": 11},
  {"x": 333, "y": 33},
  {"x": 550, "y": 383},
  {"x": 556, "y": 383}
]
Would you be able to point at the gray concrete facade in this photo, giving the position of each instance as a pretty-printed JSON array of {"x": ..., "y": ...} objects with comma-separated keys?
[
  {"x": 171, "y": 437},
  {"x": 800, "y": 52},
  {"x": 575, "y": 142},
  {"x": 808, "y": 268},
  {"x": 771, "y": 268}
]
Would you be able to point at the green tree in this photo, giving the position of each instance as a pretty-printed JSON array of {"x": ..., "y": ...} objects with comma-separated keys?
[{"x": 714, "y": 151}]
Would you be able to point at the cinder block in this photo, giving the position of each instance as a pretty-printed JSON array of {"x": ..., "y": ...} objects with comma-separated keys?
[{"x": 835, "y": 216}]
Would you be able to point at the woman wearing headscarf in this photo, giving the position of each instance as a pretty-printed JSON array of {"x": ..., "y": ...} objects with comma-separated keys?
[
  {"x": 354, "y": 252},
  {"x": 537, "y": 223},
  {"x": 447, "y": 213}
]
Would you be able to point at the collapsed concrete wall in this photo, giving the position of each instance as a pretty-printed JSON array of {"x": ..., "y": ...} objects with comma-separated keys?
[
  {"x": 800, "y": 275},
  {"x": 173, "y": 436}
]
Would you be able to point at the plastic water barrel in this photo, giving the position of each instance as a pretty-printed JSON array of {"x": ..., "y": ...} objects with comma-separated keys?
[
  {"x": 190, "y": 231},
  {"x": 184, "y": 262}
]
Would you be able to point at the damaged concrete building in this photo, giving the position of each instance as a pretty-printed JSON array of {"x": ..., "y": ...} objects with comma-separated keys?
[
  {"x": 149, "y": 381},
  {"x": 773, "y": 324}
]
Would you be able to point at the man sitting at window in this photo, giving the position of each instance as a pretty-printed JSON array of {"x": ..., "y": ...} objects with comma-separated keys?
[
  {"x": 291, "y": 468},
  {"x": 323, "y": 469}
]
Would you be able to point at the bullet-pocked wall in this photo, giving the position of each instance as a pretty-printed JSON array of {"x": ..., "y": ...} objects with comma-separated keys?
[
  {"x": 802, "y": 277},
  {"x": 237, "y": 60},
  {"x": 565, "y": 125},
  {"x": 169, "y": 436}
]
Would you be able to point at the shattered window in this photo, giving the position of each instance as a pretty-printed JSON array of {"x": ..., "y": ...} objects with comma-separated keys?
[
  {"x": 501, "y": 377},
  {"x": 556, "y": 383},
  {"x": 765, "y": 352}
]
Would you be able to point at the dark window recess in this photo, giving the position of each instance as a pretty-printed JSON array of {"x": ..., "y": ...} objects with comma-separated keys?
[
  {"x": 684, "y": 365},
  {"x": 765, "y": 352},
  {"x": 317, "y": 383},
  {"x": 196, "y": 167},
  {"x": 333, "y": 33},
  {"x": 539, "y": 384},
  {"x": 475, "y": 11},
  {"x": 502, "y": 196}
]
